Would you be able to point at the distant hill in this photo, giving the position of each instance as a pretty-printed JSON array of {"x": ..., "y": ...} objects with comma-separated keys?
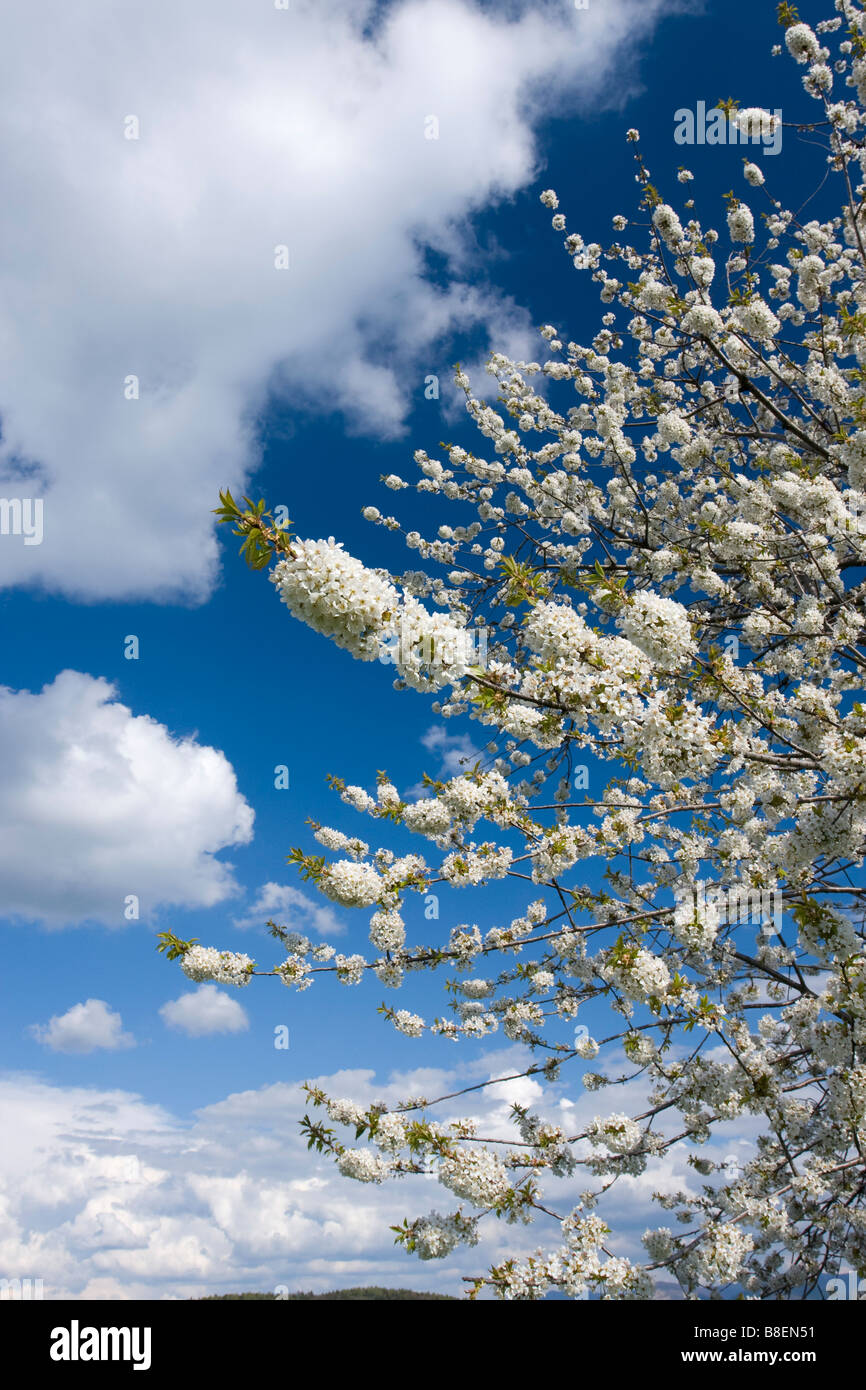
[{"x": 371, "y": 1291}]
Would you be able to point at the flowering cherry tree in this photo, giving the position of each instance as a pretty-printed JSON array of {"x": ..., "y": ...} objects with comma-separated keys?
[{"x": 665, "y": 554}]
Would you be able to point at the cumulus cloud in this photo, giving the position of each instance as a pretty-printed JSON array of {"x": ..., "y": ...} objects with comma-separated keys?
[
  {"x": 154, "y": 162},
  {"x": 98, "y": 805},
  {"x": 294, "y": 910},
  {"x": 85, "y": 1027},
  {"x": 205, "y": 1010},
  {"x": 454, "y": 753},
  {"x": 105, "y": 1196}
]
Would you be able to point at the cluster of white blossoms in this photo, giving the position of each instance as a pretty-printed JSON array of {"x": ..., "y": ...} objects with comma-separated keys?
[
  {"x": 363, "y": 1165},
  {"x": 459, "y": 805},
  {"x": 351, "y": 884},
  {"x": 349, "y": 969},
  {"x": 636, "y": 972},
  {"x": 828, "y": 935},
  {"x": 410, "y": 1024},
  {"x": 433, "y": 1237},
  {"x": 741, "y": 223},
  {"x": 757, "y": 320},
  {"x": 361, "y": 610},
  {"x": 477, "y": 1175},
  {"x": 202, "y": 963},
  {"x": 576, "y": 1268},
  {"x": 345, "y": 1112},
  {"x": 337, "y": 595},
  {"x": 661, "y": 532},
  {"x": 294, "y": 971},
  {"x": 619, "y": 1133},
  {"x": 390, "y": 1132},
  {"x": 660, "y": 627},
  {"x": 695, "y": 920},
  {"x": 559, "y": 849},
  {"x": 387, "y": 930},
  {"x": 432, "y": 649},
  {"x": 476, "y": 864},
  {"x": 720, "y": 1258}
]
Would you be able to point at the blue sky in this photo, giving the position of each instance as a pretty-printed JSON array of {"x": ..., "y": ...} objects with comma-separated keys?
[{"x": 305, "y": 390}]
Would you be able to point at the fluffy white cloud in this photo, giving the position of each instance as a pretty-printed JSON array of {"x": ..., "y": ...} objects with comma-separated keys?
[
  {"x": 98, "y": 804},
  {"x": 456, "y": 754},
  {"x": 205, "y": 1010},
  {"x": 154, "y": 257},
  {"x": 105, "y": 1196},
  {"x": 84, "y": 1028},
  {"x": 293, "y": 909}
]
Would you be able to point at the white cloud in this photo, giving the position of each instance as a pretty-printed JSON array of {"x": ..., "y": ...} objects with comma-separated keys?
[
  {"x": 294, "y": 910},
  {"x": 454, "y": 753},
  {"x": 205, "y": 1010},
  {"x": 154, "y": 257},
  {"x": 84, "y": 1028},
  {"x": 98, "y": 805},
  {"x": 104, "y": 1196}
]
